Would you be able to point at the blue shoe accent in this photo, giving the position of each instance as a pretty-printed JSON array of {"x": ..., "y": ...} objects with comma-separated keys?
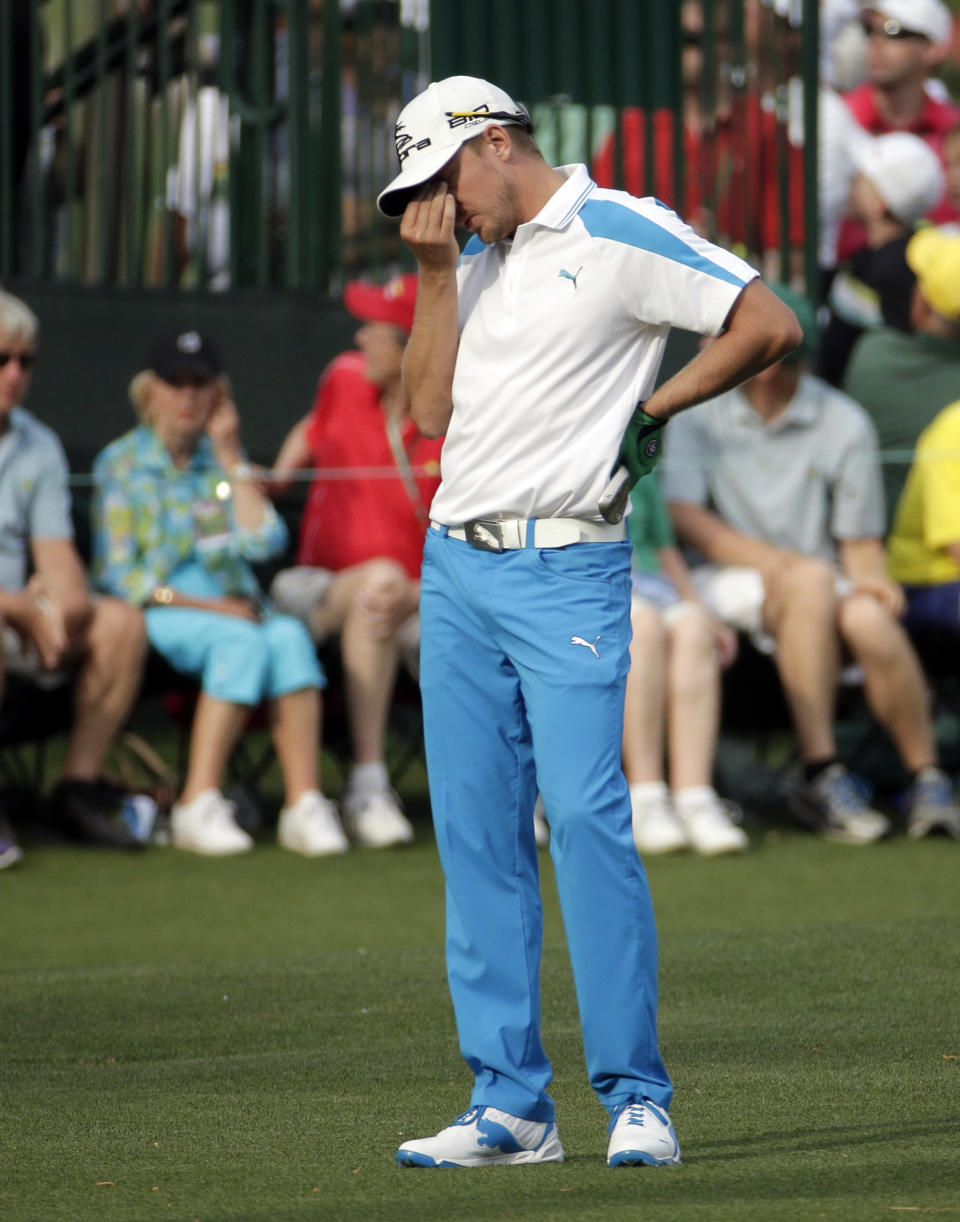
[
  {"x": 641, "y": 1134},
  {"x": 484, "y": 1136}
]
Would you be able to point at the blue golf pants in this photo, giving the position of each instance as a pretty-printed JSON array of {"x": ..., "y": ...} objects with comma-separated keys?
[{"x": 524, "y": 658}]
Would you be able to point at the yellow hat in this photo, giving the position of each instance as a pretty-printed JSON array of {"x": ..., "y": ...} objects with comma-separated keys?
[{"x": 934, "y": 256}]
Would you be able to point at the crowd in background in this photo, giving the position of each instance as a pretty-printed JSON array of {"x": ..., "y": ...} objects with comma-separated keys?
[{"x": 812, "y": 515}]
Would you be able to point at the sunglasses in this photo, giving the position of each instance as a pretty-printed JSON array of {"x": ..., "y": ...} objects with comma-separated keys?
[
  {"x": 888, "y": 29},
  {"x": 27, "y": 359},
  {"x": 520, "y": 117}
]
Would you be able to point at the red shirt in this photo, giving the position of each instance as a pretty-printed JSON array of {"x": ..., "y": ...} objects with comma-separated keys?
[
  {"x": 736, "y": 158},
  {"x": 932, "y": 124},
  {"x": 349, "y": 520}
]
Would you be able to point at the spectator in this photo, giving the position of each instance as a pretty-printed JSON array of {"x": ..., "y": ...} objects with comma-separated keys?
[
  {"x": 361, "y": 538},
  {"x": 906, "y": 40},
  {"x": 904, "y": 380},
  {"x": 924, "y": 545},
  {"x": 951, "y": 162},
  {"x": 50, "y": 627},
  {"x": 198, "y": 206},
  {"x": 899, "y": 179},
  {"x": 776, "y": 485},
  {"x": 677, "y": 652},
  {"x": 177, "y": 518}
]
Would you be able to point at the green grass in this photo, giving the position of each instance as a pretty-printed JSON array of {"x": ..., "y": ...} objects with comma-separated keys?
[{"x": 250, "y": 1039}]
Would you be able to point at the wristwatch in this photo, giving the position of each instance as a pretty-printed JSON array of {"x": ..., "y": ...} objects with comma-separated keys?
[{"x": 162, "y": 596}]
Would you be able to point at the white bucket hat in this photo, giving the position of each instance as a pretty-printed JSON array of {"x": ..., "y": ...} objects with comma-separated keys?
[
  {"x": 927, "y": 17},
  {"x": 431, "y": 129},
  {"x": 905, "y": 171}
]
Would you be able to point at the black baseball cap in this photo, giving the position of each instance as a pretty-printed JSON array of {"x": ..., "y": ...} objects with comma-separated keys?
[{"x": 184, "y": 352}]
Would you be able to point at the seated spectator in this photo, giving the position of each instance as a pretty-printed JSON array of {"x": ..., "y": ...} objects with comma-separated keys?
[
  {"x": 176, "y": 520},
  {"x": 676, "y": 655},
  {"x": 51, "y": 630},
  {"x": 898, "y": 180},
  {"x": 951, "y": 165},
  {"x": 906, "y": 42},
  {"x": 776, "y": 485},
  {"x": 361, "y": 537},
  {"x": 903, "y": 380},
  {"x": 923, "y": 549}
]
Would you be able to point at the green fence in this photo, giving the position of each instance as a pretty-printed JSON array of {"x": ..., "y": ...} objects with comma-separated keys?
[
  {"x": 711, "y": 105},
  {"x": 212, "y": 143},
  {"x": 199, "y": 143}
]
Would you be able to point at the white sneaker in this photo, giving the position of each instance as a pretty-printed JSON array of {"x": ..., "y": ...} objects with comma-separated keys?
[
  {"x": 311, "y": 827},
  {"x": 641, "y": 1134},
  {"x": 207, "y": 825},
  {"x": 656, "y": 828},
  {"x": 541, "y": 828},
  {"x": 373, "y": 819},
  {"x": 484, "y": 1137},
  {"x": 708, "y": 823}
]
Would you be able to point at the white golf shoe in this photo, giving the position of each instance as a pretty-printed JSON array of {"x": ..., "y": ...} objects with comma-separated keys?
[
  {"x": 374, "y": 819},
  {"x": 656, "y": 828},
  {"x": 484, "y": 1137},
  {"x": 207, "y": 825},
  {"x": 641, "y": 1135},
  {"x": 311, "y": 827},
  {"x": 708, "y": 823}
]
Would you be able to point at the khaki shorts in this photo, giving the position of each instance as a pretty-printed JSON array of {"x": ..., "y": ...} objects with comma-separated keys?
[
  {"x": 299, "y": 590},
  {"x": 736, "y": 596}
]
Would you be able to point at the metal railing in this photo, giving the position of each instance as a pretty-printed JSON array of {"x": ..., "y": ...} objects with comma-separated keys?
[{"x": 214, "y": 143}]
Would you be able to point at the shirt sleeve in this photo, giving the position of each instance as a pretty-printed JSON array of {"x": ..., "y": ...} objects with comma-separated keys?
[
  {"x": 671, "y": 276},
  {"x": 683, "y": 472},
  {"x": 267, "y": 541},
  {"x": 857, "y": 492},
  {"x": 939, "y": 460},
  {"x": 50, "y": 501}
]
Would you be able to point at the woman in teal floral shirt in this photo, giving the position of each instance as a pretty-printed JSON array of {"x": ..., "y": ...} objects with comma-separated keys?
[{"x": 177, "y": 520}]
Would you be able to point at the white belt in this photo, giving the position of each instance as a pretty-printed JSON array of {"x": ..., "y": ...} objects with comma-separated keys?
[{"x": 507, "y": 534}]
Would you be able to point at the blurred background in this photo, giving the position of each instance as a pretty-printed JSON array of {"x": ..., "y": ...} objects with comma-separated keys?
[{"x": 217, "y": 161}]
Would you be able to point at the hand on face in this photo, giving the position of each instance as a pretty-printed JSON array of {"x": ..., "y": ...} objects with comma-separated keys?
[
  {"x": 428, "y": 228},
  {"x": 223, "y": 428}
]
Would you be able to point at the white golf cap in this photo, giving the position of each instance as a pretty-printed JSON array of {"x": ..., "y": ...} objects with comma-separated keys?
[
  {"x": 432, "y": 127},
  {"x": 927, "y": 17},
  {"x": 905, "y": 171}
]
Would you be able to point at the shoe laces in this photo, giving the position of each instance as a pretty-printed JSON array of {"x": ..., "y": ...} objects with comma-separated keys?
[
  {"x": 846, "y": 794},
  {"x": 634, "y": 1113},
  {"x": 933, "y": 788},
  {"x": 219, "y": 812}
]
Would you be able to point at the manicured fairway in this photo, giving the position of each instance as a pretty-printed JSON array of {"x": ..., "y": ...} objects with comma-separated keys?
[{"x": 251, "y": 1038}]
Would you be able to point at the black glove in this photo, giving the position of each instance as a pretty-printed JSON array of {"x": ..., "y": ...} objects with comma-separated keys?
[{"x": 641, "y": 445}]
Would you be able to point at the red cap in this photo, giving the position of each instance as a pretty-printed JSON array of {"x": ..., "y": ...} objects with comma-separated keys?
[{"x": 392, "y": 302}]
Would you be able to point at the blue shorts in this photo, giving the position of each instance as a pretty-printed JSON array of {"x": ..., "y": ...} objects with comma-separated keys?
[
  {"x": 933, "y": 606},
  {"x": 236, "y": 660}
]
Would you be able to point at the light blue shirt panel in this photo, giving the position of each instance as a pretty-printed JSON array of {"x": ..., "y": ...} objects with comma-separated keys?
[
  {"x": 34, "y": 495},
  {"x": 805, "y": 481}
]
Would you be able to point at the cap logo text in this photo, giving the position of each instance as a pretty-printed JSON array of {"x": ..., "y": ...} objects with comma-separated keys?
[{"x": 407, "y": 145}]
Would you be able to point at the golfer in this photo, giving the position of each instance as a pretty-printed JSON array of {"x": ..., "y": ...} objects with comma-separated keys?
[{"x": 531, "y": 351}]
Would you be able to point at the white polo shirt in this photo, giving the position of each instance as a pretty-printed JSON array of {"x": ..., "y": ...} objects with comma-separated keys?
[{"x": 562, "y": 331}]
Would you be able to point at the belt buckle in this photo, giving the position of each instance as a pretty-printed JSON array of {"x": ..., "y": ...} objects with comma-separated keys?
[{"x": 485, "y": 534}]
